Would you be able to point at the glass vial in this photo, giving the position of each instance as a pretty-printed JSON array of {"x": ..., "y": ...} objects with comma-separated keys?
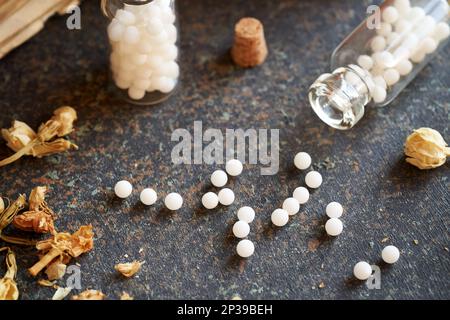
[
  {"x": 379, "y": 59},
  {"x": 144, "y": 52}
]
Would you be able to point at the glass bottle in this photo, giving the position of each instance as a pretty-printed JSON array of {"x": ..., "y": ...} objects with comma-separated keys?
[
  {"x": 144, "y": 52},
  {"x": 379, "y": 59}
]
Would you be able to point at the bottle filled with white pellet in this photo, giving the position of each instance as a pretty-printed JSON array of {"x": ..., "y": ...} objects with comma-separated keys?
[
  {"x": 379, "y": 59},
  {"x": 144, "y": 52}
]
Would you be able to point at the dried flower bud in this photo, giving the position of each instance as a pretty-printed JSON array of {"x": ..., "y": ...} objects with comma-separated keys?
[
  {"x": 89, "y": 295},
  {"x": 129, "y": 269},
  {"x": 66, "y": 116},
  {"x": 426, "y": 149},
  {"x": 48, "y": 148},
  {"x": 61, "y": 293},
  {"x": 55, "y": 270},
  {"x": 37, "y": 221},
  {"x": 7, "y": 216},
  {"x": 8, "y": 286},
  {"x": 37, "y": 198},
  {"x": 126, "y": 296},
  {"x": 18, "y": 136}
]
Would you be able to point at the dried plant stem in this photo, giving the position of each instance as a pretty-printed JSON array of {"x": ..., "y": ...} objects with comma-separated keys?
[
  {"x": 41, "y": 264},
  {"x": 17, "y": 240},
  {"x": 19, "y": 154}
]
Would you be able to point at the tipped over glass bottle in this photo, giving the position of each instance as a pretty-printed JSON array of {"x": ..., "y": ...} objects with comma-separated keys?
[
  {"x": 379, "y": 59},
  {"x": 144, "y": 53}
]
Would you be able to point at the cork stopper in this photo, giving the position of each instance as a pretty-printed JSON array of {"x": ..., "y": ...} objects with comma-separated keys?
[{"x": 249, "y": 48}]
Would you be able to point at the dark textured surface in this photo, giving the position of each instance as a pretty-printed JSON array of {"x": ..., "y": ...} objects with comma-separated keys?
[{"x": 190, "y": 253}]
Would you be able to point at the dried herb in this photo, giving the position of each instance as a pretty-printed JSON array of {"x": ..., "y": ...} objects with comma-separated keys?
[
  {"x": 89, "y": 295},
  {"x": 7, "y": 216},
  {"x": 24, "y": 141},
  {"x": 61, "y": 293},
  {"x": 129, "y": 269},
  {"x": 40, "y": 217},
  {"x": 64, "y": 246},
  {"x": 56, "y": 270},
  {"x": 2, "y": 205},
  {"x": 126, "y": 296},
  {"x": 8, "y": 286}
]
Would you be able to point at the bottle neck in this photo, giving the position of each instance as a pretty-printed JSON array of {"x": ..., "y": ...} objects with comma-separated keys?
[{"x": 339, "y": 98}]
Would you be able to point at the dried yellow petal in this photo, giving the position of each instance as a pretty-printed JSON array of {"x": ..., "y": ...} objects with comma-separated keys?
[
  {"x": 18, "y": 136},
  {"x": 128, "y": 269},
  {"x": 89, "y": 295},
  {"x": 61, "y": 293},
  {"x": 66, "y": 116},
  {"x": 8, "y": 286},
  {"x": 126, "y": 296},
  {"x": 426, "y": 149},
  {"x": 7, "y": 216},
  {"x": 2, "y": 205},
  {"x": 36, "y": 221},
  {"x": 55, "y": 270},
  {"x": 46, "y": 283},
  {"x": 48, "y": 148}
]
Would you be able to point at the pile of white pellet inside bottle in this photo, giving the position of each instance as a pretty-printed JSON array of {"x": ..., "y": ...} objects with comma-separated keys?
[{"x": 144, "y": 52}]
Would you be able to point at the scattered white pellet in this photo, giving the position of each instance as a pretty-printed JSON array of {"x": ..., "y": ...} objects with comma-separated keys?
[
  {"x": 428, "y": 45},
  {"x": 418, "y": 56},
  {"x": 384, "y": 29},
  {"x": 441, "y": 31},
  {"x": 415, "y": 14},
  {"x": 365, "y": 62},
  {"x": 302, "y": 160},
  {"x": 125, "y": 17},
  {"x": 301, "y": 194},
  {"x": 404, "y": 67},
  {"x": 241, "y": 229},
  {"x": 233, "y": 167},
  {"x": 136, "y": 93},
  {"x": 403, "y": 7},
  {"x": 245, "y": 248},
  {"x": 226, "y": 196},
  {"x": 390, "y": 14},
  {"x": 173, "y": 201},
  {"x": 402, "y": 26},
  {"x": 246, "y": 214},
  {"x": 131, "y": 35},
  {"x": 362, "y": 270},
  {"x": 334, "y": 210},
  {"x": 210, "y": 200},
  {"x": 379, "y": 94},
  {"x": 379, "y": 81},
  {"x": 390, "y": 254},
  {"x": 148, "y": 196},
  {"x": 123, "y": 189},
  {"x": 219, "y": 178},
  {"x": 280, "y": 217},
  {"x": 313, "y": 179},
  {"x": 291, "y": 205},
  {"x": 334, "y": 227}
]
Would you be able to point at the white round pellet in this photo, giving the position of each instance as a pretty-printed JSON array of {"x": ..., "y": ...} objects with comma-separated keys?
[
  {"x": 404, "y": 67},
  {"x": 172, "y": 33},
  {"x": 415, "y": 14},
  {"x": 164, "y": 84},
  {"x": 159, "y": 38},
  {"x": 167, "y": 16},
  {"x": 362, "y": 270},
  {"x": 301, "y": 194},
  {"x": 155, "y": 27},
  {"x": 173, "y": 201},
  {"x": 384, "y": 59},
  {"x": 126, "y": 64},
  {"x": 125, "y": 17},
  {"x": 411, "y": 41},
  {"x": 390, "y": 254},
  {"x": 379, "y": 81},
  {"x": 241, "y": 229},
  {"x": 280, "y": 217},
  {"x": 153, "y": 12},
  {"x": 144, "y": 47},
  {"x": 334, "y": 210},
  {"x": 246, "y": 214},
  {"x": 115, "y": 31},
  {"x": 219, "y": 178},
  {"x": 131, "y": 35},
  {"x": 428, "y": 45},
  {"x": 172, "y": 69},
  {"x": 401, "y": 53},
  {"x": 122, "y": 83},
  {"x": 226, "y": 196},
  {"x": 379, "y": 94},
  {"x": 291, "y": 205},
  {"x": 390, "y": 14},
  {"x": 163, "y": 3},
  {"x": 441, "y": 31},
  {"x": 141, "y": 83},
  {"x": 245, "y": 248},
  {"x": 426, "y": 27},
  {"x": 302, "y": 160},
  {"x": 334, "y": 227},
  {"x": 154, "y": 61},
  {"x": 418, "y": 56},
  {"x": 313, "y": 179},
  {"x": 148, "y": 196},
  {"x": 168, "y": 51},
  {"x": 365, "y": 62},
  {"x": 136, "y": 93},
  {"x": 378, "y": 43},
  {"x": 402, "y": 26},
  {"x": 143, "y": 72},
  {"x": 403, "y": 7},
  {"x": 391, "y": 76},
  {"x": 210, "y": 200},
  {"x": 234, "y": 167},
  {"x": 123, "y": 189},
  {"x": 384, "y": 29},
  {"x": 138, "y": 58},
  {"x": 393, "y": 38}
]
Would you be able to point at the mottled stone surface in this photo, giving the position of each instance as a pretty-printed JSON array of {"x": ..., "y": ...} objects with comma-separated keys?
[{"x": 190, "y": 253}]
